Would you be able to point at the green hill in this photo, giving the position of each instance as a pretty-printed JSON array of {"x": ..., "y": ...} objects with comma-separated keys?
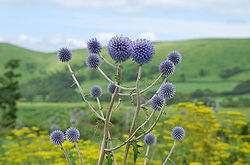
[{"x": 215, "y": 64}]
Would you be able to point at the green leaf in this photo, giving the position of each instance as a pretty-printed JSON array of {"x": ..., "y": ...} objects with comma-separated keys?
[{"x": 109, "y": 158}]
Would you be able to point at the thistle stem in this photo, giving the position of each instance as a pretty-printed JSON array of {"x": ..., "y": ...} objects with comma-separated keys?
[
  {"x": 66, "y": 155},
  {"x": 136, "y": 114},
  {"x": 105, "y": 60},
  {"x": 144, "y": 90},
  {"x": 79, "y": 153},
  {"x": 83, "y": 96},
  {"x": 106, "y": 125},
  {"x": 109, "y": 136},
  {"x": 146, "y": 155},
  {"x": 109, "y": 80},
  {"x": 172, "y": 149}
]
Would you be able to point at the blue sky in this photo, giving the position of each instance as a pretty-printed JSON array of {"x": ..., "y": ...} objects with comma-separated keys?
[{"x": 47, "y": 25}]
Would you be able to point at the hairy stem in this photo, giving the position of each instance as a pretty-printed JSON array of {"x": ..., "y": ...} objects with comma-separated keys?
[
  {"x": 136, "y": 114},
  {"x": 147, "y": 102},
  {"x": 79, "y": 153},
  {"x": 144, "y": 90},
  {"x": 128, "y": 140},
  {"x": 83, "y": 96},
  {"x": 66, "y": 155},
  {"x": 172, "y": 149},
  {"x": 146, "y": 155},
  {"x": 106, "y": 126},
  {"x": 109, "y": 80},
  {"x": 109, "y": 136},
  {"x": 105, "y": 60}
]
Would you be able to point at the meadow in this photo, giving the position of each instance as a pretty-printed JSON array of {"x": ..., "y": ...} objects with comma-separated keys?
[{"x": 212, "y": 68}]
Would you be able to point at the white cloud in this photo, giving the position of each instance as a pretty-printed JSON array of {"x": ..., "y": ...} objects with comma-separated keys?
[
  {"x": 1, "y": 39},
  {"x": 27, "y": 39},
  {"x": 149, "y": 35},
  {"x": 77, "y": 43},
  {"x": 104, "y": 37}
]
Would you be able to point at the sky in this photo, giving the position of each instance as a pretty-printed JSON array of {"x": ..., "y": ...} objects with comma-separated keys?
[{"x": 47, "y": 25}]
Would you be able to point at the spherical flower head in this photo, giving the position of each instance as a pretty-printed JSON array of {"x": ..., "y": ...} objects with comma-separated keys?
[
  {"x": 57, "y": 137},
  {"x": 96, "y": 91},
  {"x": 178, "y": 133},
  {"x": 142, "y": 51},
  {"x": 167, "y": 67},
  {"x": 93, "y": 61},
  {"x": 150, "y": 139},
  {"x": 175, "y": 57},
  {"x": 94, "y": 46},
  {"x": 64, "y": 54},
  {"x": 167, "y": 90},
  {"x": 72, "y": 134},
  {"x": 119, "y": 48},
  {"x": 111, "y": 88},
  {"x": 156, "y": 102}
]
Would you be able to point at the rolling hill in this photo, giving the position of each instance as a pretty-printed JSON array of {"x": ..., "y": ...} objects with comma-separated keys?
[{"x": 215, "y": 64}]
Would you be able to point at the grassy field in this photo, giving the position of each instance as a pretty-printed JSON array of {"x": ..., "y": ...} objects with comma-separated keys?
[{"x": 213, "y": 56}]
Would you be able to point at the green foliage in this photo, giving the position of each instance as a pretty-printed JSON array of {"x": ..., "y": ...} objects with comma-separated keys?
[
  {"x": 135, "y": 149},
  {"x": 9, "y": 93}
]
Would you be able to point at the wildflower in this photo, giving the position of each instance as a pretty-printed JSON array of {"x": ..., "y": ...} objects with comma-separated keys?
[
  {"x": 142, "y": 51},
  {"x": 156, "y": 102},
  {"x": 119, "y": 48},
  {"x": 167, "y": 67},
  {"x": 64, "y": 54},
  {"x": 94, "y": 46},
  {"x": 178, "y": 133},
  {"x": 93, "y": 61},
  {"x": 111, "y": 87},
  {"x": 175, "y": 57},
  {"x": 96, "y": 91},
  {"x": 72, "y": 134},
  {"x": 167, "y": 90},
  {"x": 57, "y": 137},
  {"x": 150, "y": 139}
]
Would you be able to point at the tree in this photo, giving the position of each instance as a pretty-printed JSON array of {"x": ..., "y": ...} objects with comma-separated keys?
[{"x": 9, "y": 93}]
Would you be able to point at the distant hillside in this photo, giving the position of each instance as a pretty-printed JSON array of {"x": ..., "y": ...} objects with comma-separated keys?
[{"x": 216, "y": 64}]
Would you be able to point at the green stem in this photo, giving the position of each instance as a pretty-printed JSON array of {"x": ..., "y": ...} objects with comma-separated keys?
[
  {"x": 79, "y": 153},
  {"x": 66, "y": 155}
]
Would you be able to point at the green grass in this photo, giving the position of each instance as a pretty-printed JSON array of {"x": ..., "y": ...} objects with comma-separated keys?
[{"x": 211, "y": 55}]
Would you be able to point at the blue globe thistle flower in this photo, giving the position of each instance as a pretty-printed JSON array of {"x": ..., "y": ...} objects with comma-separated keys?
[
  {"x": 150, "y": 139},
  {"x": 214, "y": 105},
  {"x": 64, "y": 54},
  {"x": 93, "y": 61},
  {"x": 178, "y": 133},
  {"x": 167, "y": 90},
  {"x": 175, "y": 57},
  {"x": 94, "y": 46},
  {"x": 119, "y": 48},
  {"x": 111, "y": 88},
  {"x": 57, "y": 137},
  {"x": 142, "y": 51},
  {"x": 167, "y": 67},
  {"x": 156, "y": 102},
  {"x": 96, "y": 91},
  {"x": 72, "y": 134}
]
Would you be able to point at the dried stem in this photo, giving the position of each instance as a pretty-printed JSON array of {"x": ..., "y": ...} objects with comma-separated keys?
[
  {"x": 109, "y": 136},
  {"x": 83, "y": 96},
  {"x": 109, "y": 80},
  {"x": 136, "y": 114},
  {"x": 106, "y": 126},
  {"x": 66, "y": 155},
  {"x": 142, "y": 91},
  {"x": 172, "y": 149},
  {"x": 79, "y": 153},
  {"x": 146, "y": 155},
  {"x": 105, "y": 60}
]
